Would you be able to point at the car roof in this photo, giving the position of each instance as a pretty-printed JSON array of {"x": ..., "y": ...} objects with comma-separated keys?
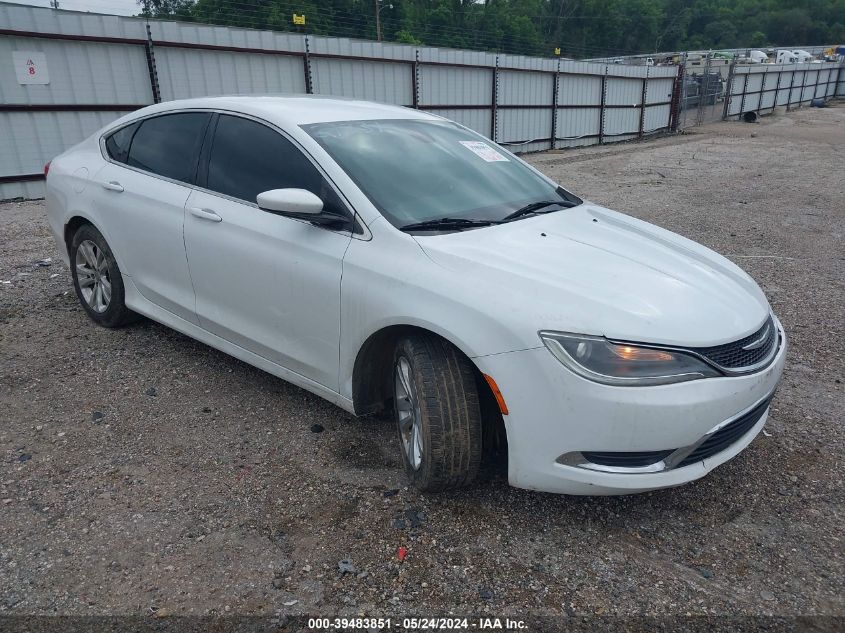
[{"x": 295, "y": 110}]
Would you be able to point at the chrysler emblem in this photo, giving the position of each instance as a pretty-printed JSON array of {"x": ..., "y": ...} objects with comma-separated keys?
[{"x": 758, "y": 342}]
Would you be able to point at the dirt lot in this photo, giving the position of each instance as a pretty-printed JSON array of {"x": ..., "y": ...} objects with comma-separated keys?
[{"x": 145, "y": 473}]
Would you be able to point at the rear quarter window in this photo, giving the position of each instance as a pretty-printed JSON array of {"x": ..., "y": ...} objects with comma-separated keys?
[{"x": 117, "y": 143}]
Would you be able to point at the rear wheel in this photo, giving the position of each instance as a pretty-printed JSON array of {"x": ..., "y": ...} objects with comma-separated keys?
[
  {"x": 97, "y": 279},
  {"x": 437, "y": 413}
]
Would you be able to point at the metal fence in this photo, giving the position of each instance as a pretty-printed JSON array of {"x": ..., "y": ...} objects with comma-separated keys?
[
  {"x": 89, "y": 69},
  {"x": 702, "y": 94},
  {"x": 761, "y": 89},
  {"x": 103, "y": 66},
  {"x": 707, "y": 95}
]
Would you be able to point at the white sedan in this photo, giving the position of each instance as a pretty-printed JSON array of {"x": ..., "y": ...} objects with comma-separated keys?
[{"x": 391, "y": 260}]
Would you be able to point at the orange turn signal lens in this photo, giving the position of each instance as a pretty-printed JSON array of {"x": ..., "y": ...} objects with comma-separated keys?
[
  {"x": 500, "y": 399},
  {"x": 627, "y": 352}
]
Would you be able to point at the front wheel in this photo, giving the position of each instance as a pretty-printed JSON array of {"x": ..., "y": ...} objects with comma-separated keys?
[{"x": 437, "y": 412}]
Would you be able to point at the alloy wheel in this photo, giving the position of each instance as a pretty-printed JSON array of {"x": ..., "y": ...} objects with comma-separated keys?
[
  {"x": 92, "y": 275},
  {"x": 408, "y": 410}
]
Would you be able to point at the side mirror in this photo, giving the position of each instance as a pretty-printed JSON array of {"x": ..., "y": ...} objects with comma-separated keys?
[{"x": 299, "y": 202}]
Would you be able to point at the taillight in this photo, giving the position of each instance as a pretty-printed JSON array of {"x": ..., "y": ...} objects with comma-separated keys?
[{"x": 47, "y": 168}]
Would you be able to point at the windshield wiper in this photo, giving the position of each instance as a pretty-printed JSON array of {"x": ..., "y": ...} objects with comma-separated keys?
[
  {"x": 534, "y": 207},
  {"x": 446, "y": 224}
]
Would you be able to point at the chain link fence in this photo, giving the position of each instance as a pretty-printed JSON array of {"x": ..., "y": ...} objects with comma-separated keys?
[
  {"x": 716, "y": 90},
  {"x": 703, "y": 93}
]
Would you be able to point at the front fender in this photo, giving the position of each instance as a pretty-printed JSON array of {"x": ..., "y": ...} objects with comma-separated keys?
[{"x": 377, "y": 294}]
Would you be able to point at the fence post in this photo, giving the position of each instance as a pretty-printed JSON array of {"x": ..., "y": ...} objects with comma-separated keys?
[
  {"x": 744, "y": 90},
  {"x": 789, "y": 97},
  {"x": 643, "y": 96},
  {"x": 705, "y": 88},
  {"x": 729, "y": 89},
  {"x": 816, "y": 87},
  {"x": 494, "y": 100},
  {"x": 306, "y": 67},
  {"x": 416, "y": 79},
  {"x": 151, "y": 66},
  {"x": 602, "y": 105},
  {"x": 677, "y": 98},
  {"x": 803, "y": 87},
  {"x": 555, "y": 86},
  {"x": 762, "y": 90},
  {"x": 777, "y": 90}
]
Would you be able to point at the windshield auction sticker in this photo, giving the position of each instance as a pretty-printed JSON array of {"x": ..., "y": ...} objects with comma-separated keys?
[{"x": 484, "y": 151}]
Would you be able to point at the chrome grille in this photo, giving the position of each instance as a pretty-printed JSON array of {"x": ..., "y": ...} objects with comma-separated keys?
[{"x": 744, "y": 353}]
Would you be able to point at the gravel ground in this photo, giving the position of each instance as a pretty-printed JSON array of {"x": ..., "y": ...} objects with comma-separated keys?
[{"x": 144, "y": 473}]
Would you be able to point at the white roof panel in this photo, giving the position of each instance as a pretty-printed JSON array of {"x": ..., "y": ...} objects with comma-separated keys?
[{"x": 294, "y": 110}]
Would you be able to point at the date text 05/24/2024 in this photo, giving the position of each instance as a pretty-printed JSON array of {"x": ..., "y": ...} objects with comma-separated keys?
[{"x": 416, "y": 624}]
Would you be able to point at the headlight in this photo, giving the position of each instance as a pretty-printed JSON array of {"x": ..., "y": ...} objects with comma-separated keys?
[{"x": 599, "y": 360}]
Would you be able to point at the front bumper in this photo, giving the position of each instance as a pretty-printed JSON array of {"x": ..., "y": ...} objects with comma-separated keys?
[{"x": 556, "y": 415}]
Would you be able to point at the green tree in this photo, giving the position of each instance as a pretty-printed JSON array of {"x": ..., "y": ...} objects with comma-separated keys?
[{"x": 581, "y": 28}]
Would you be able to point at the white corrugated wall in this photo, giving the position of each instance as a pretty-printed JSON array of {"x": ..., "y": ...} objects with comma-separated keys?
[
  {"x": 93, "y": 82},
  {"x": 764, "y": 87}
]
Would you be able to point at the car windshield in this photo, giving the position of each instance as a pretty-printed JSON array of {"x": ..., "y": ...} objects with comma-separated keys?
[{"x": 419, "y": 171}]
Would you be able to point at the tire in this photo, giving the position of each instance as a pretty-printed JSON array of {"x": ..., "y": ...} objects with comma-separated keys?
[
  {"x": 95, "y": 272},
  {"x": 445, "y": 416}
]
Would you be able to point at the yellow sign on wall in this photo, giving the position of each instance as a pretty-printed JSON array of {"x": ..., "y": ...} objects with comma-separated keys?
[{"x": 299, "y": 19}]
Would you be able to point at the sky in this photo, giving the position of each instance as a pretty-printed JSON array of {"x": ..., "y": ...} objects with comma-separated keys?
[{"x": 115, "y": 7}]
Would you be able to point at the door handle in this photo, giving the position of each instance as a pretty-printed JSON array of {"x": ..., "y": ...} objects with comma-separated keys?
[
  {"x": 205, "y": 214},
  {"x": 113, "y": 185}
]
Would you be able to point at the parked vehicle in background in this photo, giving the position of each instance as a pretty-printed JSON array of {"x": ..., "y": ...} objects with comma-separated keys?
[
  {"x": 786, "y": 57},
  {"x": 757, "y": 57},
  {"x": 691, "y": 97},
  {"x": 706, "y": 88},
  {"x": 834, "y": 54},
  {"x": 794, "y": 57},
  {"x": 388, "y": 259}
]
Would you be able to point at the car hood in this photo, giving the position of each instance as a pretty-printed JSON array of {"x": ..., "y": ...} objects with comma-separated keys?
[{"x": 591, "y": 270}]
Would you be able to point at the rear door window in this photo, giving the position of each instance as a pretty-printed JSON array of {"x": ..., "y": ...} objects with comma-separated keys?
[{"x": 169, "y": 145}]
